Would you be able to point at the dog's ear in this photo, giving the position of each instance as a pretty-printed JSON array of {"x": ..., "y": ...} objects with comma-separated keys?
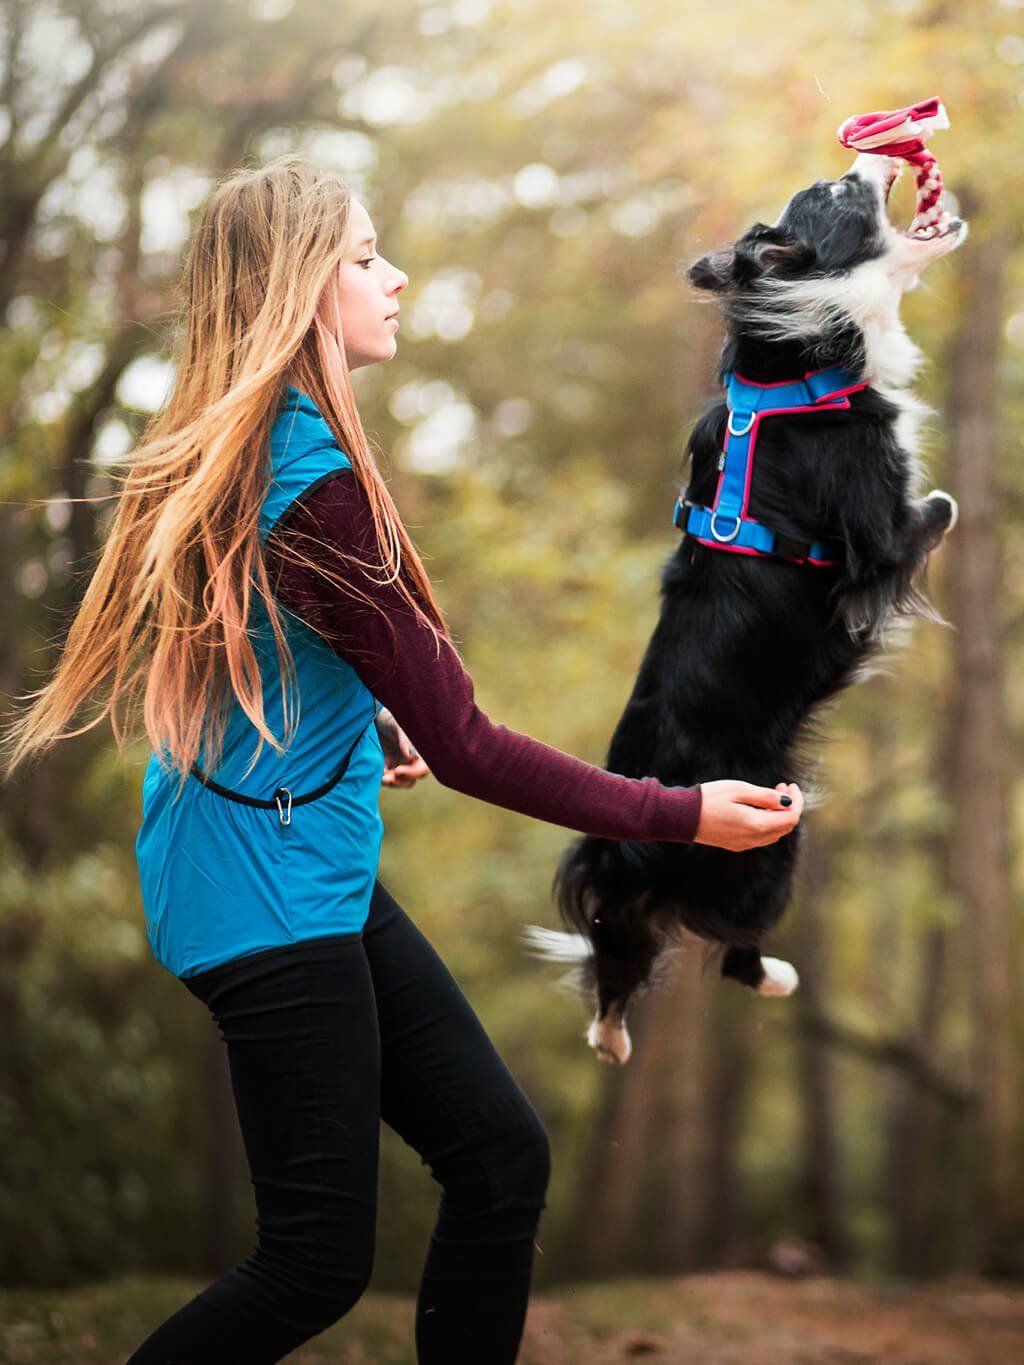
[
  {"x": 771, "y": 251},
  {"x": 762, "y": 251},
  {"x": 714, "y": 271},
  {"x": 786, "y": 259}
]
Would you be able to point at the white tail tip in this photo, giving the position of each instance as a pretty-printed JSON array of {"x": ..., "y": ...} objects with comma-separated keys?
[
  {"x": 610, "y": 1040},
  {"x": 780, "y": 978},
  {"x": 554, "y": 946}
]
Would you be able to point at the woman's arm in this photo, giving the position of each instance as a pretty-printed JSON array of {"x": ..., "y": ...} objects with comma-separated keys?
[{"x": 422, "y": 682}]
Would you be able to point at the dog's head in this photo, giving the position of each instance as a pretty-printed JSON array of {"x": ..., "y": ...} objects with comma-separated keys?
[{"x": 833, "y": 258}]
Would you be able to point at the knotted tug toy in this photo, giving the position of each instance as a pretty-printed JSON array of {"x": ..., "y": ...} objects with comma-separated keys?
[{"x": 903, "y": 133}]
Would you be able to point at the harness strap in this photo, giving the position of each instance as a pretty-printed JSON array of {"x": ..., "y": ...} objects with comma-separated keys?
[
  {"x": 725, "y": 525},
  {"x": 282, "y": 800}
]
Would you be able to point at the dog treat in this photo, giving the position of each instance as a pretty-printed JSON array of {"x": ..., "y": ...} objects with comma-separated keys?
[{"x": 903, "y": 133}]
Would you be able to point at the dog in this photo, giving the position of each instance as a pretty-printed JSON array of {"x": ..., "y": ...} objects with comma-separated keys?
[{"x": 759, "y": 630}]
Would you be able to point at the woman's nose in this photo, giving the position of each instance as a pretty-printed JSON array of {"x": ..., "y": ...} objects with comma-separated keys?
[{"x": 399, "y": 280}]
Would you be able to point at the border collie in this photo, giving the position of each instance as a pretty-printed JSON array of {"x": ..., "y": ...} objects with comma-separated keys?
[{"x": 750, "y": 645}]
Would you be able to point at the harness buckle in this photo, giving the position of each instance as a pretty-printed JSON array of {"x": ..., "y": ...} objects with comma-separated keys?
[
  {"x": 284, "y": 812},
  {"x": 725, "y": 540},
  {"x": 732, "y": 430}
]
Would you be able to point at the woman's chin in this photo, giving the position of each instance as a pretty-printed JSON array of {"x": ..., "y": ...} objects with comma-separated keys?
[{"x": 379, "y": 356}]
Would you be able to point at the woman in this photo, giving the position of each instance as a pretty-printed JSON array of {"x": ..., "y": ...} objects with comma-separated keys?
[{"x": 256, "y": 599}]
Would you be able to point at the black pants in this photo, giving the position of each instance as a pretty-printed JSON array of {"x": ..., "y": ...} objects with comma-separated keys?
[{"x": 325, "y": 1039}]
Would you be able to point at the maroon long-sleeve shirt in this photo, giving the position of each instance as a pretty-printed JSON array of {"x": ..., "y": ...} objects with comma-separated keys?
[{"x": 425, "y": 686}]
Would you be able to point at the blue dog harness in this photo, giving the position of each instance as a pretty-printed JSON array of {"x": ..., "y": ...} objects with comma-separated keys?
[{"x": 725, "y": 525}]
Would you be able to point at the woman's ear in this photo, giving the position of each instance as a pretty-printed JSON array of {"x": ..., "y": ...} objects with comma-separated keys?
[{"x": 714, "y": 271}]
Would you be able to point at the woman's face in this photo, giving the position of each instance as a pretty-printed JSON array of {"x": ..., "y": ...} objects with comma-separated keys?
[{"x": 368, "y": 289}]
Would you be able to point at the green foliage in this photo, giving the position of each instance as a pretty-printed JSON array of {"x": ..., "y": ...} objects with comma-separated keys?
[{"x": 93, "y": 1077}]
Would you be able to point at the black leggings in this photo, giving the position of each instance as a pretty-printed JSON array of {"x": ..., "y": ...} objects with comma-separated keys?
[{"x": 325, "y": 1039}]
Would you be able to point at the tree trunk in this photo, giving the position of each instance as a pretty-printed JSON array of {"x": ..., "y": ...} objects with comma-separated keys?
[
  {"x": 641, "y": 1200},
  {"x": 821, "y": 1180},
  {"x": 681, "y": 1043},
  {"x": 919, "y": 1129},
  {"x": 915, "y": 1128},
  {"x": 980, "y": 844},
  {"x": 724, "y": 1235}
]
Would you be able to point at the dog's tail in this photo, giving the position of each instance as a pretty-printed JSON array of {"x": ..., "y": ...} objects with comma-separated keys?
[
  {"x": 574, "y": 885},
  {"x": 573, "y": 950}
]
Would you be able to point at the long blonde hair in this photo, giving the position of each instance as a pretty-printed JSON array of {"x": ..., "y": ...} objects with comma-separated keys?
[{"x": 162, "y": 627}]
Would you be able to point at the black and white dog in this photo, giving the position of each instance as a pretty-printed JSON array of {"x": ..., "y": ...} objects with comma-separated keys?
[{"x": 790, "y": 568}]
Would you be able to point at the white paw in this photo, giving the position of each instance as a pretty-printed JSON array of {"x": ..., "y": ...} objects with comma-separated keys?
[
  {"x": 780, "y": 977},
  {"x": 954, "y": 507},
  {"x": 610, "y": 1040}
]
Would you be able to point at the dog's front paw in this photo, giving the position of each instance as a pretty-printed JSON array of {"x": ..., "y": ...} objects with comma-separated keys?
[{"x": 942, "y": 512}]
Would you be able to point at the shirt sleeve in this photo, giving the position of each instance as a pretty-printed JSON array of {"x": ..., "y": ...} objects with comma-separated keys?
[{"x": 423, "y": 683}]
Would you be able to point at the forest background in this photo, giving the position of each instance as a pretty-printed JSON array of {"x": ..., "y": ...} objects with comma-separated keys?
[{"x": 541, "y": 171}]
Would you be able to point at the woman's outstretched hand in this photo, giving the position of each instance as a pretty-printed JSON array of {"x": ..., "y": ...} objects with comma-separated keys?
[
  {"x": 403, "y": 766},
  {"x": 738, "y": 815}
]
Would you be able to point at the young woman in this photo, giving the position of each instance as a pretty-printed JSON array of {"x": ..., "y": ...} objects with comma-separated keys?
[{"x": 256, "y": 599}]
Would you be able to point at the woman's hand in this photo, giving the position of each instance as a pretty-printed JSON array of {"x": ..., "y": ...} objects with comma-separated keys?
[
  {"x": 403, "y": 766},
  {"x": 738, "y": 815}
]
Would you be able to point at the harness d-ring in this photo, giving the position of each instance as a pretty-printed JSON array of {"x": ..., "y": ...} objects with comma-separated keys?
[
  {"x": 732, "y": 429},
  {"x": 724, "y": 540}
]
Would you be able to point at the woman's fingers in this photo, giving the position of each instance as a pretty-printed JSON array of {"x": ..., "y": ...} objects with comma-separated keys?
[
  {"x": 405, "y": 774},
  {"x": 766, "y": 798},
  {"x": 403, "y": 766},
  {"x": 739, "y": 815}
]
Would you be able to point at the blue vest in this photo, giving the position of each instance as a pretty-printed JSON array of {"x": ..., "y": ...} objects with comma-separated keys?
[{"x": 221, "y": 877}]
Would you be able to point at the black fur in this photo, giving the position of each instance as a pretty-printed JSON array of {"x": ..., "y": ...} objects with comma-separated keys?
[{"x": 746, "y": 650}]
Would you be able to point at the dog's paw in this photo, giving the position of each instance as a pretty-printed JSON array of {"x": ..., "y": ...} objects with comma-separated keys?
[
  {"x": 780, "y": 978},
  {"x": 946, "y": 511},
  {"x": 610, "y": 1040}
]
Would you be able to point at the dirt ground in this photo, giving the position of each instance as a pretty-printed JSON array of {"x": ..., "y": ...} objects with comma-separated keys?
[
  {"x": 750, "y": 1319},
  {"x": 733, "y": 1318}
]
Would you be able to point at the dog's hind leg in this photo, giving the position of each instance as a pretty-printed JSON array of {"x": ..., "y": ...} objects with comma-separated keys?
[
  {"x": 624, "y": 952},
  {"x": 615, "y": 981},
  {"x": 609, "y": 1036},
  {"x": 766, "y": 975}
]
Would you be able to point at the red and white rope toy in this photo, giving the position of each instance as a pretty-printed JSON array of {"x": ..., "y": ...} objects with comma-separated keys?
[{"x": 902, "y": 133}]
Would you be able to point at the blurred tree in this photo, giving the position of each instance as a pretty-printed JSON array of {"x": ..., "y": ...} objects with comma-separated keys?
[
  {"x": 980, "y": 866},
  {"x": 101, "y": 156},
  {"x": 641, "y": 1198},
  {"x": 541, "y": 171},
  {"x": 822, "y": 1186}
]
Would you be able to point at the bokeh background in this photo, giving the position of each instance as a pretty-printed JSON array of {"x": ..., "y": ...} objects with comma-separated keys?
[{"x": 542, "y": 169}]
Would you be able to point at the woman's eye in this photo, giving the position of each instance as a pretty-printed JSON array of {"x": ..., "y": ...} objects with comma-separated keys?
[{"x": 368, "y": 261}]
